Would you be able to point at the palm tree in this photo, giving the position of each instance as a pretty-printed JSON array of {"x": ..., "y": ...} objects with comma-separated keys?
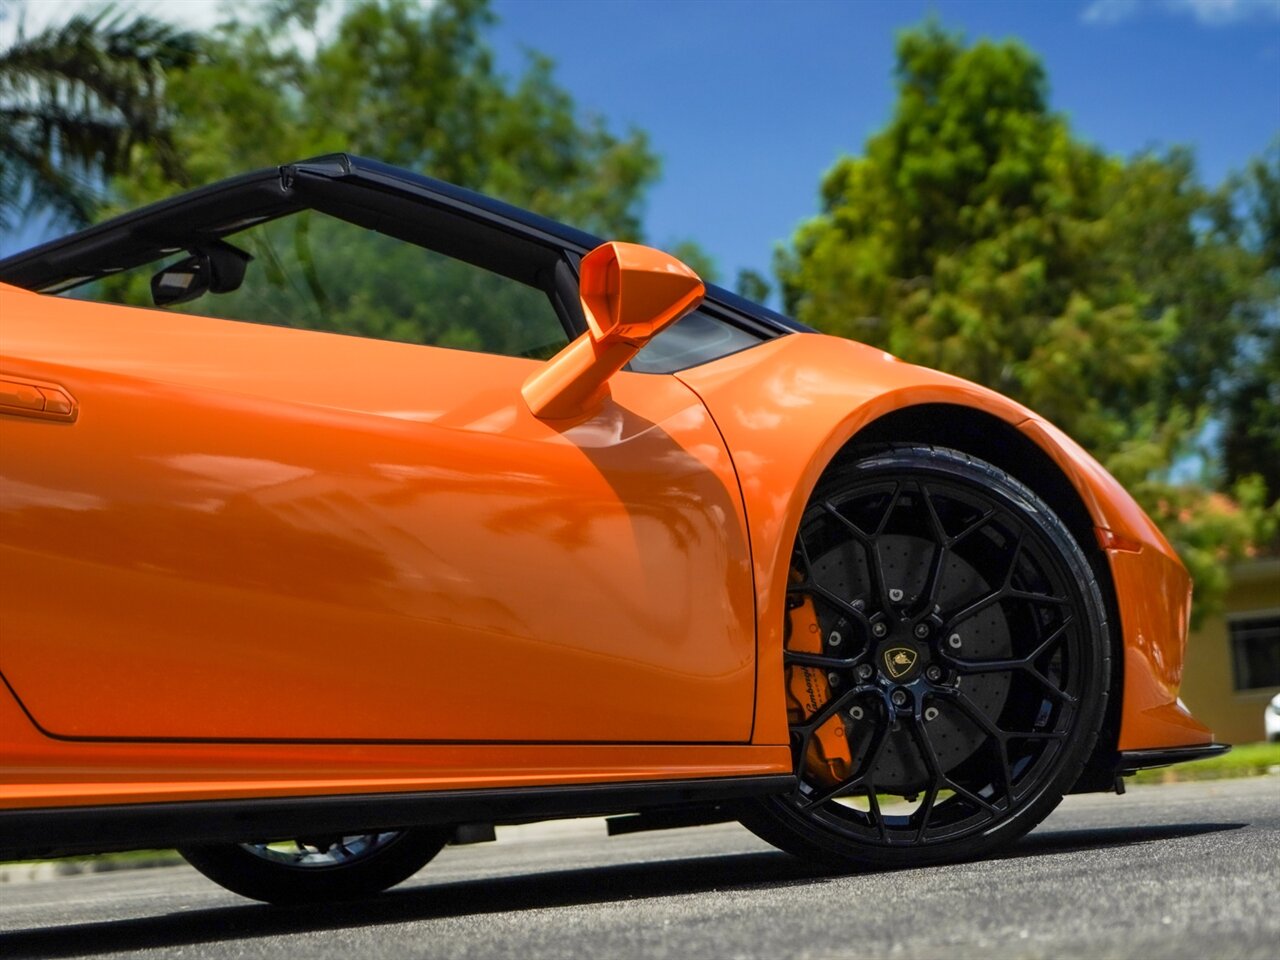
[{"x": 74, "y": 100}]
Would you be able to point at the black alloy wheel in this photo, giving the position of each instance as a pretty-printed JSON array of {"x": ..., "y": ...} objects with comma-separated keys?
[
  {"x": 947, "y": 663},
  {"x": 317, "y": 869}
]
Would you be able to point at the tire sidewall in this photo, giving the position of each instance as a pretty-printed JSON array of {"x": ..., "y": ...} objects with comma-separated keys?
[
  {"x": 232, "y": 866},
  {"x": 778, "y": 821}
]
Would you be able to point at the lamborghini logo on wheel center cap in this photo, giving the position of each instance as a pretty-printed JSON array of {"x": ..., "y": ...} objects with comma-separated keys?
[{"x": 898, "y": 661}]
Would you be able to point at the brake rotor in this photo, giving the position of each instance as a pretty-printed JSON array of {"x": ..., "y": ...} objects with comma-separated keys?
[{"x": 906, "y": 560}]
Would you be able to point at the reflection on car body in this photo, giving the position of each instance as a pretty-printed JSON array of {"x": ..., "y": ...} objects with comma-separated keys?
[{"x": 412, "y": 509}]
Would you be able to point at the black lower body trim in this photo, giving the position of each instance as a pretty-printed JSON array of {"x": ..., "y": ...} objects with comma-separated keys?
[
  {"x": 1131, "y": 761},
  {"x": 61, "y": 831}
]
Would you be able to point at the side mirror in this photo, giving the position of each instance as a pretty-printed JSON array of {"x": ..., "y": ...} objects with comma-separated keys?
[
  {"x": 215, "y": 267},
  {"x": 629, "y": 294}
]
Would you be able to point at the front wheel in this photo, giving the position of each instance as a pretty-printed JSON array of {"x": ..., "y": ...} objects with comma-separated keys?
[
  {"x": 946, "y": 660},
  {"x": 316, "y": 869}
]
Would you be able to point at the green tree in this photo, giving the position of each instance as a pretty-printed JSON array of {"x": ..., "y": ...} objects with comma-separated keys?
[
  {"x": 978, "y": 235},
  {"x": 1251, "y": 443},
  {"x": 413, "y": 85},
  {"x": 752, "y": 285},
  {"x": 701, "y": 262},
  {"x": 75, "y": 100}
]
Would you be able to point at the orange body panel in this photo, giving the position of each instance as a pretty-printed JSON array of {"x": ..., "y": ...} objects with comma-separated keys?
[
  {"x": 787, "y": 407},
  {"x": 295, "y": 536},
  {"x": 40, "y": 772}
]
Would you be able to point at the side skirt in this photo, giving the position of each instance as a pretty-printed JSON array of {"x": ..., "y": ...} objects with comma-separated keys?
[
  {"x": 1131, "y": 761},
  {"x": 62, "y": 831}
]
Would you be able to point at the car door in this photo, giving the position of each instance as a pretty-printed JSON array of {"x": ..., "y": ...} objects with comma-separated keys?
[{"x": 254, "y": 531}]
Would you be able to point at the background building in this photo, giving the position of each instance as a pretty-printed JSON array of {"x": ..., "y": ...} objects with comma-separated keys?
[{"x": 1233, "y": 661}]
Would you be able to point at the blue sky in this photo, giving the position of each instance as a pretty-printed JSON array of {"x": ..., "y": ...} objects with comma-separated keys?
[{"x": 748, "y": 102}]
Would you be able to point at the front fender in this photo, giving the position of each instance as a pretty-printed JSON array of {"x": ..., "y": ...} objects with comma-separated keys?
[{"x": 787, "y": 407}]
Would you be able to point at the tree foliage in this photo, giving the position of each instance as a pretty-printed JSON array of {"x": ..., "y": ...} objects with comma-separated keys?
[
  {"x": 410, "y": 84},
  {"x": 1251, "y": 443},
  {"x": 415, "y": 86},
  {"x": 75, "y": 100},
  {"x": 976, "y": 234}
]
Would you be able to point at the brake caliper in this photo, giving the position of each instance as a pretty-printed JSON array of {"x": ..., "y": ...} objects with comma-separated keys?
[{"x": 808, "y": 690}]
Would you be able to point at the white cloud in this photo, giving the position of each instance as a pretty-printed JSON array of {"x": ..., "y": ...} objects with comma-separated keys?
[
  {"x": 1212, "y": 13},
  {"x": 198, "y": 15},
  {"x": 35, "y": 15},
  {"x": 1109, "y": 11}
]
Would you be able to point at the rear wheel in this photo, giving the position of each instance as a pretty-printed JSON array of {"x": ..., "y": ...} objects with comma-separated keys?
[
  {"x": 946, "y": 661},
  {"x": 318, "y": 868}
]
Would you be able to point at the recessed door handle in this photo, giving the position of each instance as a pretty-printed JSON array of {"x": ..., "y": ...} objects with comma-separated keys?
[{"x": 32, "y": 398}]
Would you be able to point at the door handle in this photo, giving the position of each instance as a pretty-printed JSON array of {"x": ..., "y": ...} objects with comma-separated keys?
[{"x": 31, "y": 398}]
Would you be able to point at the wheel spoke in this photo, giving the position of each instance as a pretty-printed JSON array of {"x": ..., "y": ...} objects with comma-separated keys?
[
  {"x": 1007, "y": 582},
  {"x": 939, "y": 531},
  {"x": 858, "y": 533},
  {"x": 828, "y": 710},
  {"x": 1051, "y": 688},
  {"x": 822, "y": 661},
  {"x": 873, "y": 805},
  {"x": 974, "y": 713},
  {"x": 973, "y": 798},
  {"x": 998, "y": 737},
  {"x": 812, "y": 589},
  {"x": 933, "y": 580},
  {"x": 924, "y": 747},
  {"x": 843, "y": 788},
  {"x": 1013, "y": 594},
  {"x": 972, "y": 528},
  {"x": 875, "y": 563},
  {"x": 801, "y": 754},
  {"x": 977, "y": 606},
  {"x": 1053, "y": 638},
  {"x": 925, "y": 811},
  {"x": 870, "y": 542},
  {"x": 803, "y": 551},
  {"x": 1014, "y": 663},
  {"x": 995, "y": 596},
  {"x": 984, "y": 666},
  {"x": 858, "y": 780}
]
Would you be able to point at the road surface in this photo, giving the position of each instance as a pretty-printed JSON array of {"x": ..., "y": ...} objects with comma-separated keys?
[{"x": 1182, "y": 870}]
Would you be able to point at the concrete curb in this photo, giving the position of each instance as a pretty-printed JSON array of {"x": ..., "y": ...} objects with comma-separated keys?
[{"x": 39, "y": 871}]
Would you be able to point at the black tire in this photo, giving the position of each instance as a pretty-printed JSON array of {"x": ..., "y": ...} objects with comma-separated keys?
[
  {"x": 963, "y": 670},
  {"x": 265, "y": 872}
]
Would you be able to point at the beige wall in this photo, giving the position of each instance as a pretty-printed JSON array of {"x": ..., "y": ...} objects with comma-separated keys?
[{"x": 1207, "y": 690}]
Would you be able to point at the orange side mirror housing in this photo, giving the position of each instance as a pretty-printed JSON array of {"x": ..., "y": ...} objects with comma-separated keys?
[{"x": 629, "y": 293}]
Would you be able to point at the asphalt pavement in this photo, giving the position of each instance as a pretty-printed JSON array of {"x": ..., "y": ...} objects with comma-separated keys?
[{"x": 1182, "y": 870}]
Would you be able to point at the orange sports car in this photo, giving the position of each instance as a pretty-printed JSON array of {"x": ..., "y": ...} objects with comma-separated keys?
[{"x": 413, "y": 513}]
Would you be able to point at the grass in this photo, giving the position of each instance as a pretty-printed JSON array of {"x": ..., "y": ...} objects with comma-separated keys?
[{"x": 1246, "y": 760}]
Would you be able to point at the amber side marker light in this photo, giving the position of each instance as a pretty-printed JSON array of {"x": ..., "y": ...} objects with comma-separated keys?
[{"x": 1108, "y": 540}]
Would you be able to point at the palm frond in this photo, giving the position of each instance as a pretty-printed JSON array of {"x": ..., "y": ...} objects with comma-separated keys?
[{"x": 76, "y": 98}]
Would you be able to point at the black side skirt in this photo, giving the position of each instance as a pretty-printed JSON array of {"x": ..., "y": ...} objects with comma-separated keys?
[
  {"x": 61, "y": 831},
  {"x": 1131, "y": 761}
]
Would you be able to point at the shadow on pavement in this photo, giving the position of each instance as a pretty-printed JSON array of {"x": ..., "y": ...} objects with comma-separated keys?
[
  {"x": 743, "y": 871},
  {"x": 1037, "y": 844}
]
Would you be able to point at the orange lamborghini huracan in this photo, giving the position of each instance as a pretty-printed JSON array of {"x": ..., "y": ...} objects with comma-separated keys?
[{"x": 413, "y": 511}]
